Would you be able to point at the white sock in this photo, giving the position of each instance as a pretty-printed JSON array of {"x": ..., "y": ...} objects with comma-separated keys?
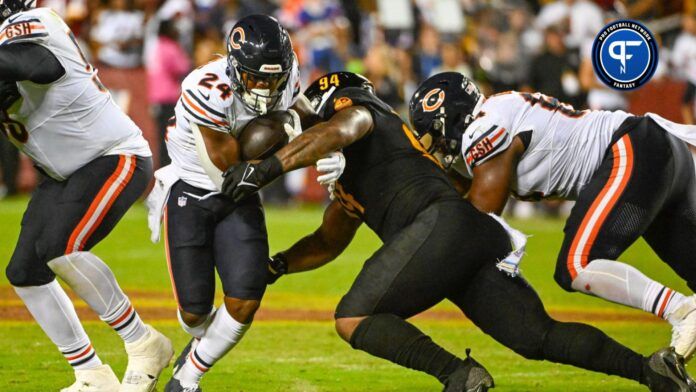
[
  {"x": 221, "y": 336},
  {"x": 199, "y": 330},
  {"x": 94, "y": 282},
  {"x": 53, "y": 311},
  {"x": 621, "y": 283}
]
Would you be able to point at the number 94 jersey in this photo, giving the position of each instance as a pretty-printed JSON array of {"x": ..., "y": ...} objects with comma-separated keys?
[
  {"x": 68, "y": 123},
  {"x": 564, "y": 146}
]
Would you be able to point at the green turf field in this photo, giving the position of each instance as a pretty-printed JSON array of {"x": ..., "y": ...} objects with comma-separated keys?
[{"x": 284, "y": 353}]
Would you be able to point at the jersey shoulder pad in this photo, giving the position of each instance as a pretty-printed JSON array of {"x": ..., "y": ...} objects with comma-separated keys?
[
  {"x": 484, "y": 139},
  {"x": 205, "y": 96},
  {"x": 354, "y": 96},
  {"x": 26, "y": 26}
]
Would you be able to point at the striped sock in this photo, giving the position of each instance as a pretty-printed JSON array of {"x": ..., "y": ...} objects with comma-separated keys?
[
  {"x": 661, "y": 300},
  {"x": 82, "y": 357},
  {"x": 53, "y": 311},
  {"x": 126, "y": 322},
  {"x": 220, "y": 337}
]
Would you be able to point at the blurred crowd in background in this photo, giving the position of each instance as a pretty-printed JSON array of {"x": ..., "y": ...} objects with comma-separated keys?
[{"x": 502, "y": 44}]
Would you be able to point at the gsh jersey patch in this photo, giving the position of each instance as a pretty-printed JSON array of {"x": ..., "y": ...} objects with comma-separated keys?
[
  {"x": 21, "y": 31},
  {"x": 624, "y": 55}
]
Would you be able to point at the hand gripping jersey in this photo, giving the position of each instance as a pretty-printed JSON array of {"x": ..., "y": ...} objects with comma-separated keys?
[
  {"x": 207, "y": 100},
  {"x": 66, "y": 124},
  {"x": 389, "y": 177},
  {"x": 564, "y": 146}
]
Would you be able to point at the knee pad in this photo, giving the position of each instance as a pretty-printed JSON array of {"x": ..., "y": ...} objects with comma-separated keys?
[
  {"x": 91, "y": 279},
  {"x": 198, "y": 330},
  {"x": 23, "y": 275}
]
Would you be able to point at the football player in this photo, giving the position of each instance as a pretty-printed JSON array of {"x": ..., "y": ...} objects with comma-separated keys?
[
  {"x": 96, "y": 165},
  {"x": 436, "y": 246},
  {"x": 629, "y": 177},
  {"x": 204, "y": 231}
]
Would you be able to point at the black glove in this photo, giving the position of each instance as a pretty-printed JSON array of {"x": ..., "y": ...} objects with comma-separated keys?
[
  {"x": 247, "y": 178},
  {"x": 277, "y": 267},
  {"x": 9, "y": 94}
]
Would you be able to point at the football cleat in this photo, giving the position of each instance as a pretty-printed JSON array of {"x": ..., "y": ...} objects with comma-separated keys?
[
  {"x": 664, "y": 372},
  {"x": 99, "y": 379},
  {"x": 683, "y": 321},
  {"x": 174, "y": 385},
  {"x": 181, "y": 360},
  {"x": 470, "y": 377},
  {"x": 147, "y": 357}
]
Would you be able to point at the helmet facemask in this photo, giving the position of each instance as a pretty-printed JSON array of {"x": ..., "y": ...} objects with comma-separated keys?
[
  {"x": 446, "y": 142},
  {"x": 245, "y": 80}
]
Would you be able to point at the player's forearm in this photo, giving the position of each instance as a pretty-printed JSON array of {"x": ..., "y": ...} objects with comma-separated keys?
[
  {"x": 312, "y": 145},
  {"x": 309, "y": 253}
]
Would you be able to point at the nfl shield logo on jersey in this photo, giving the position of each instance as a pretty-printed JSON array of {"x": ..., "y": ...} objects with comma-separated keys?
[{"x": 182, "y": 201}]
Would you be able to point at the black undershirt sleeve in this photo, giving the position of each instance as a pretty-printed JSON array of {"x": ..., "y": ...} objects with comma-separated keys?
[{"x": 29, "y": 61}]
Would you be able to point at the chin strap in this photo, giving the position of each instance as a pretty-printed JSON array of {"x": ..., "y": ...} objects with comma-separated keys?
[{"x": 256, "y": 99}]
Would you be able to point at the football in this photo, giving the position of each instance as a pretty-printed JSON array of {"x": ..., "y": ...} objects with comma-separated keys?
[{"x": 264, "y": 135}]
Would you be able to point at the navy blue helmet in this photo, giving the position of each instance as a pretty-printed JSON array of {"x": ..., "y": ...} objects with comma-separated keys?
[
  {"x": 443, "y": 106},
  {"x": 260, "y": 58}
]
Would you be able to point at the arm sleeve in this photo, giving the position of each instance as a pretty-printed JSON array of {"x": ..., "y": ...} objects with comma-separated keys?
[{"x": 28, "y": 61}]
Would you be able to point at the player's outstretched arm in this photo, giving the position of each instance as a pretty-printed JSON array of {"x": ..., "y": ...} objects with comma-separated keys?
[
  {"x": 28, "y": 61},
  {"x": 317, "y": 249},
  {"x": 490, "y": 187},
  {"x": 341, "y": 130}
]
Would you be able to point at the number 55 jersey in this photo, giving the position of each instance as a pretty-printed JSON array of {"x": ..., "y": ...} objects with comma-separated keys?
[
  {"x": 564, "y": 146},
  {"x": 66, "y": 124}
]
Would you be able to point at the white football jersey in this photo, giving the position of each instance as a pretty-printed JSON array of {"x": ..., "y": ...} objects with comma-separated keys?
[
  {"x": 207, "y": 100},
  {"x": 565, "y": 147},
  {"x": 66, "y": 124}
]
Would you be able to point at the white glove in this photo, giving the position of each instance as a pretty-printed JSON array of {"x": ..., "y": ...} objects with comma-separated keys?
[
  {"x": 295, "y": 129},
  {"x": 331, "y": 168}
]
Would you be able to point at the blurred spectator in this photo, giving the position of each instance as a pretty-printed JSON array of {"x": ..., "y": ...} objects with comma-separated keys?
[
  {"x": 378, "y": 68},
  {"x": 321, "y": 22},
  {"x": 118, "y": 33},
  {"x": 427, "y": 56},
  {"x": 453, "y": 59},
  {"x": 554, "y": 72},
  {"x": 583, "y": 17},
  {"x": 208, "y": 47},
  {"x": 684, "y": 62},
  {"x": 166, "y": 68},
  {"x": 599, "y": 95}
]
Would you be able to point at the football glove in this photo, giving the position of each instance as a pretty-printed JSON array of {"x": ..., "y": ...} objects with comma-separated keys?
[
  {"x": 247, "y": 178},
  {"x": 9, "y": 94},
  {"x": 295, "y": 129},
  {"x": 331, "y": 168},
  {"x": 277, "y": 267}
]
